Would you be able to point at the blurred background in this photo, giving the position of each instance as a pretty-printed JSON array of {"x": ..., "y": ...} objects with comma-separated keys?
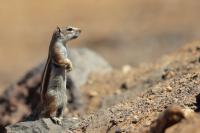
[{"x": 122, "y": 31}]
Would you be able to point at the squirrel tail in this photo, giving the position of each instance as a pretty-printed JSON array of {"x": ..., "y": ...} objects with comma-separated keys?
[{"x": 34, "y": 115}]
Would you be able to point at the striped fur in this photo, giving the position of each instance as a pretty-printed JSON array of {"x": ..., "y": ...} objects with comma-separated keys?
[{"x": 47, "y": 70}]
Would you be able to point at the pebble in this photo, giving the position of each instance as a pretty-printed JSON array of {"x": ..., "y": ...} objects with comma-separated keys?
[
  {"x": 168, "y": 88},
  {"x": 118, "y": 130},
  {"x": 147, "y": 123},
  {"x": 124, "y": 86},
  {"x": 135, "y": 119},
  {"x": 188, "y": 112},
  {"x": 117, "y": 92},
  {"x": 92, "y": 93},
  {"x": 126, "y": 69}
]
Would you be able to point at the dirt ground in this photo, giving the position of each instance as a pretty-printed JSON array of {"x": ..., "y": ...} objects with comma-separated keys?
[
  {"x": 151, "y": 98},
  {"x": 131, "y": 99}
]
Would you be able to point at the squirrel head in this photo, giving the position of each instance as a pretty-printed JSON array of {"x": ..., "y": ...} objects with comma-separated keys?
[{"x": 66, "y": 33}]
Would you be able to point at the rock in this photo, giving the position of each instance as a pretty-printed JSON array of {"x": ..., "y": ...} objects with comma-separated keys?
[
  {"x": 124, "y": 86},
  {"x": 43, "y": 126},
  {"x": 92, "y": 94},
  {"x": 168, "y": 118},
  {"x": 135, "y": 119},
  {"x": 189, "y": 125},
  {"x": 85, "y": 62},
  {"x": 117, "y": 92},
  {"x": 167, "y": 74},
  {"x": 126, "y": 69},
  {"x": 168, "y": 88}
]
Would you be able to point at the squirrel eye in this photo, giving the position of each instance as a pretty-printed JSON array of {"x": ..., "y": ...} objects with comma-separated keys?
[{"x": 69, "y": 29}]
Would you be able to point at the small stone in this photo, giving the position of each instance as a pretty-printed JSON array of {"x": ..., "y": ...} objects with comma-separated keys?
[
  {"x": 197, "y": 48},
  {"x": 195, "y": 76},
  {"x": 148, "y": 101},
  {"x": 92, "y": 93},
  {"x": 167, "y": 74},
  {"x": 124, "y": 86},
  {"x": 118, "y": 130},
  {"x": 75, "y": 118},
  {"x": 135, "y": 119},
  {"x": 147, "y": 123},
  {"x": 168, "y": 88},
  {"x": 117, "y": 92},
  {"x": 175, "y": 100},
  {"x": 188, "y": 112},
  {"x": 126, "y": 69}
]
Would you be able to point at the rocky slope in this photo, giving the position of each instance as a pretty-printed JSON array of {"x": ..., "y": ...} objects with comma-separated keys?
[{"x": 159, "y": 97}]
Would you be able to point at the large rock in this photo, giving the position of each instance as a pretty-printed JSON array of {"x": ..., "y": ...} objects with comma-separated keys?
[
  {"x": 85, "y": 61},
  {"x": 43, "y": 126}
]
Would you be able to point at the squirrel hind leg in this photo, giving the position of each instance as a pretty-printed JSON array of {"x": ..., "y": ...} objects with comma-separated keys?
[
  {"x": 57, "y": 120},
  {"x": 59, "y": 116}
]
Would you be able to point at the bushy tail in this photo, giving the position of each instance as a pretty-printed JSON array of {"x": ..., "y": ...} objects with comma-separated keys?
[{"x": 35, "y": 114}]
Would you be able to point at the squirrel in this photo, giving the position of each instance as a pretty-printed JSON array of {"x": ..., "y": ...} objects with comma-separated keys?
[{"x": 53, "y": 90}]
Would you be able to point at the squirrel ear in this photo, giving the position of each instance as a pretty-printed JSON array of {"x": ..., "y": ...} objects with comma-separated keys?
[{"x": 58, "y": 29}]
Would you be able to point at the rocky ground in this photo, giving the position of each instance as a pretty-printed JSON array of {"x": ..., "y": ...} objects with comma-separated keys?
[{"x": 160, "y": 97}]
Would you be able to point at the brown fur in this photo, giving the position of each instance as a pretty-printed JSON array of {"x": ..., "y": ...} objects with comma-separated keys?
[{"x": 49, "y": 106}]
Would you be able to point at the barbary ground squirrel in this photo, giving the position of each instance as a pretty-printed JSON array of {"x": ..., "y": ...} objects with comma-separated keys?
[{"x": 53, "y": 93}]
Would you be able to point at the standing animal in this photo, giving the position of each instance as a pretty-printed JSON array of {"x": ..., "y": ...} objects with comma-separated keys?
[{"x": 53, "y": 93}]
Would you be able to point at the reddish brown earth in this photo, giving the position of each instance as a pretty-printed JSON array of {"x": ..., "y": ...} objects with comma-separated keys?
[
  {"x": 172, "y": 80},
  {"x": 133, "y": 99}
]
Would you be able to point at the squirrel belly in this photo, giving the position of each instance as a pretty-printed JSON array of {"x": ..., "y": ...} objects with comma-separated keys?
[{"x": 57, "y": 85}]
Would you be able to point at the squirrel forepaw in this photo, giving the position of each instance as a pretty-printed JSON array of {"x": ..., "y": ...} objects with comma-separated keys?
[{"x": 69, "y": 67}]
